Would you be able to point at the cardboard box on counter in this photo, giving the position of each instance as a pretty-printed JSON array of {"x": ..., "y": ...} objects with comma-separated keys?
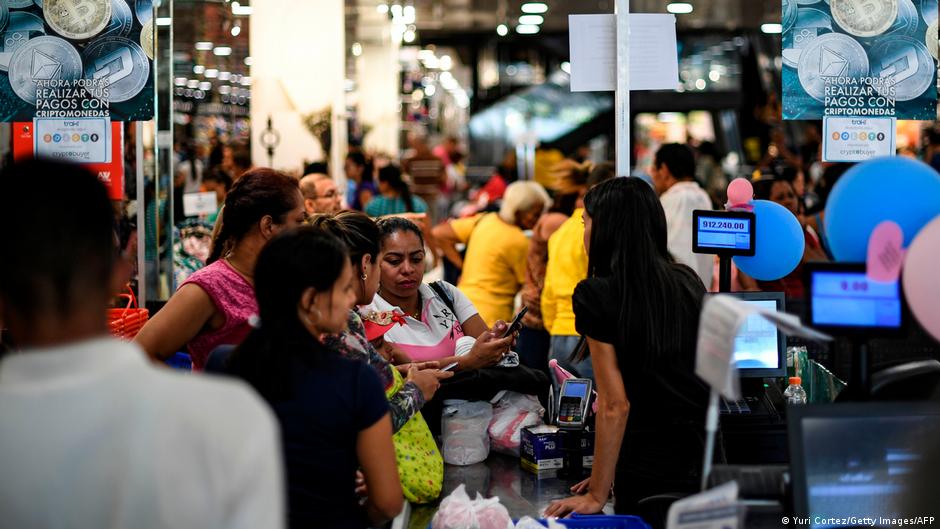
[{"x": 542, "y": 453}]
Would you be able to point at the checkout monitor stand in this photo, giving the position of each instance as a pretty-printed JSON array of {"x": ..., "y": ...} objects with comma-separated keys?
[{"x": 573, "y": 404}]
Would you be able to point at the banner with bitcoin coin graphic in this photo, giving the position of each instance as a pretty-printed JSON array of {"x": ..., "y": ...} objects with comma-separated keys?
[
  {"x": 867, "y": 58},
  {"x": 76, "y": 59}
]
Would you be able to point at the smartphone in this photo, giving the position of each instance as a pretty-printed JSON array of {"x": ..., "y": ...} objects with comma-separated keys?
[
  {"x": 449, "y": 367},
  {"x": 516, "y": 322}
]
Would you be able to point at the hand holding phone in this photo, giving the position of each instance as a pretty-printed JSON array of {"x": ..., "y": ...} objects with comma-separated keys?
[{"x": 516, "y": 324}]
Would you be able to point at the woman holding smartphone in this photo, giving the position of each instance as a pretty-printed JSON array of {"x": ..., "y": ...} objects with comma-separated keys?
[{"x": 639, "y": 312}]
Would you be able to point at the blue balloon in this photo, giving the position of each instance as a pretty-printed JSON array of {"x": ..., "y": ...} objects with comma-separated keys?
[
  {"x": 779, "y": 243},
  {"x": 895, "y": 188}
]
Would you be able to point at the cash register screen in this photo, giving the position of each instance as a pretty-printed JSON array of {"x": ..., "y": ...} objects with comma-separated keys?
[
  {"x": 842, "y": 298},
  {"x": 756, "y": 345},
  {"x": 723, "y": 232},
  {"x": 575, "y": 389}
]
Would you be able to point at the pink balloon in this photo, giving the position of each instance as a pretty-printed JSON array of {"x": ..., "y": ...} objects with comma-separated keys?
[
  {"x": 740, "y": 191},
  {"x": 921, "y": 282}
]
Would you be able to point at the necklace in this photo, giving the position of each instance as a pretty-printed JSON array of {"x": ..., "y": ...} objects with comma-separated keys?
[{"x": 238, "y": 269}]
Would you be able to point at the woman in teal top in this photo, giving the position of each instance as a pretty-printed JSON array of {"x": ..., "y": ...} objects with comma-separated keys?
[{"x": 395, "y": 196}]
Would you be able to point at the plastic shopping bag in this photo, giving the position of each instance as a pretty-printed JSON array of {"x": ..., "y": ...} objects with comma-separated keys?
[
  {"x": 511, "y": 413},
  {"x": 466, "y": 440},
  {"x": 457, "y": 511}
]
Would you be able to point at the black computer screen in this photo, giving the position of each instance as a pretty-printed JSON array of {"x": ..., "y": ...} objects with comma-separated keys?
[{"x": 857, "y": 464}]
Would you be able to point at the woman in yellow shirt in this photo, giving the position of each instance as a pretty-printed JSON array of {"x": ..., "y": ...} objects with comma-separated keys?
[{"x": 495, "y": 263}]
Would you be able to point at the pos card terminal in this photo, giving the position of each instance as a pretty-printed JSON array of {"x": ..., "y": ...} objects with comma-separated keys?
[{"x": 573, "y": 402}]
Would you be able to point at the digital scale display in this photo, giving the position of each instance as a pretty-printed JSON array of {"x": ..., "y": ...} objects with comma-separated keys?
[
  {"x": 723, "y": 232},
  {"x": 850, "y": 299}
]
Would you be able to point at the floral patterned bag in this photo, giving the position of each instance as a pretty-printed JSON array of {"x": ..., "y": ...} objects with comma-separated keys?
[{"x": 420, "y": 466}]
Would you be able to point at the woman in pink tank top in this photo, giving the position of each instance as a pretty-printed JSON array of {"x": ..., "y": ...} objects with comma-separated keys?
[{"x": 215, "y": 305}]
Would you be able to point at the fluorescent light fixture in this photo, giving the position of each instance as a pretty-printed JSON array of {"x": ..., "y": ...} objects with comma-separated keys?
[
  {"x": 199, "y": 69},
  {"x": 204, "y": 45},
  {"x": 240, "y": 10},
  {"x": 225, "y": 89},
  {"x": 397, "y": 11},
  {"x": 225, "y": 76},
  {"x": 679, "y": 8},
  {"x": 205, "y": 86},
  {"x": 426, "y": 54},
  {"x": 502, "y": 30},
  {"x": 771, "y": 28},
  {"x": 246, "y": 81},
  {"x": 180, "y": 81},
  {"x": 531, "y": 19},
  {"x": 356, "y": 49},
  {"x": 409, "y": 15},
  {"x": 222, "y": 51},
  {"x": 536, "y": 8},
  {"x": 164, "y": 21},
  {"x": 527, "y": 29},
  {"x": 192, "y": 83},
  {"x": 382, "y": 9},
  {"x": 212, "y": 73}
]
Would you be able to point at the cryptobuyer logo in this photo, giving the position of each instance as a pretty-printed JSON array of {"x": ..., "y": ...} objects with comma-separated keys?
[{"x": 856, "y": 136}]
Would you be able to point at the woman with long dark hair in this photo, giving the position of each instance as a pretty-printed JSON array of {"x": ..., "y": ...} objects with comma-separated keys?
[
  {"x": 332, "y": 411},
  {"x": 395, "y": 195},
  {"x": 213, "y": 307},
  {"x": 359, "y": 173},
  {"x": 638, "y": 311}
]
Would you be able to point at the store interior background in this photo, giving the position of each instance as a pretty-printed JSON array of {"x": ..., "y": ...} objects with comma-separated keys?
[{"x": 317, "y": 77}]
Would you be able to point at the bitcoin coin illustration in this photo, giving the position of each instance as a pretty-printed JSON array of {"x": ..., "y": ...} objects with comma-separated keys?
[
  {"x": 144, "y": 11},
  {"x": 788, "y": 14},
  {"x": 18, "y": 4},
  {"x": 864, "y": 18},
  {"x": 830, "y": 57},
  {"x": 928, "y": 10},
  {"x": 22, "y": 27},
  {"x": 146, "y": 39},
  {"x": 931, "y": 40},
  {"x": 4, "y": 16},
  {"x": 807, "y": 2},
  {"x": 906, "y": 23},
  {"x": 810, "y": 23},
  {"x": 122, "y": 20},
  {"x": 906, "y": 64},
  {"x": 121, "y": 63},
  {"x": 44, "y": 58},
  {"x": 78, "y": 19},
  {"x": 38, "y": 3}
]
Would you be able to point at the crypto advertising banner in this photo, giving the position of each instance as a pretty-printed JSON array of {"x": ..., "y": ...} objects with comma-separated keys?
[
  {"x": 76, "y": 59},
  {"x": 859, "y": 58}
]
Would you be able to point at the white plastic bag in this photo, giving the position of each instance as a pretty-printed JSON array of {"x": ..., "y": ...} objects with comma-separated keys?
[
  {"x": 464, "y": 425},
  {"x": 491, "y": 514},
  {"x": 511, "y": 413},
  {"x": 456, "y": 512},
  {"x": 527, "y": 522}
]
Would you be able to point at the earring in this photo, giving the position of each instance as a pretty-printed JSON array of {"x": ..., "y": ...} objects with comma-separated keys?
[{"x": 364, "y": 276}]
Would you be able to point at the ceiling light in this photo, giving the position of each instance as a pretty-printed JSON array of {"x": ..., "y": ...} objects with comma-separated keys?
[
  {"x": 236, "y": 30},
  {"x": 247, "y": 61},
  {"x": 356, "y": 49},
  {"x": 192, "y": 83},
  {"x": 430, "y": 90},
  {"x": 246, "y": 81},
  {"x": 225, "y": 76},
  {"x": 382, "y": 8},
  {"x": 771, "y": 28},
  {"x": 396, "y": 11},
  {"x": 222, "y": 51},
  {"x": 205, "y": 86},
  {"x": 566, "y": 67},
  {"x": 409, "y": 36},
  {"x": 240, "y": 10},
  {"x": 180, "y": 81},
  {"x": 502, "y": 30},
  {"x": 535, "y": 7},
  {"x": 199, "y": 69},
  {"x": 446, "y": 62},
  {"x": 164, "y": 21},
  {"x": 409, "y": 15},
  {"x": 527, "y": 29},
  {"x": 212, "y": 73},
  {"x": 531, "y": 19},
  {"x": 204, "y": 45},
  {"x": 679, "y": 8}
]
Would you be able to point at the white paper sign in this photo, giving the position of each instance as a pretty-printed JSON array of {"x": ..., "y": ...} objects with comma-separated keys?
[
  {"x": 654, "y": 62},
  {"x": 78, "y": 140},
  {"x": 195, "y": 204},
  {"x": 857, "y": 139},
  {"x": 722, "y": 317},
  {"x": 717, "y": 508}
]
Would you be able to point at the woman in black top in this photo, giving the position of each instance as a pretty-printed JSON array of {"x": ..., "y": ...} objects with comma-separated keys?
[{"x": 639, "y": 312}]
